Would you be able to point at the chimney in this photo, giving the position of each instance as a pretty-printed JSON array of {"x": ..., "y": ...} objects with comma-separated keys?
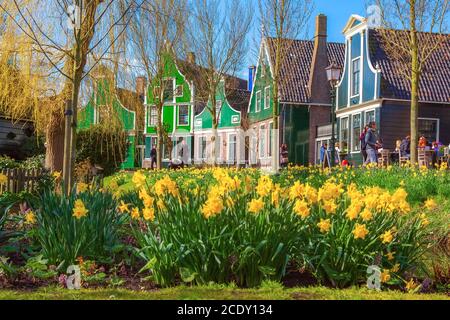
[
  {"x": 191, "y": 57},
  {"x": 141, "y": 83},
  {"x": 318, "y": 83},
  {"x": 251, "y": 77}
]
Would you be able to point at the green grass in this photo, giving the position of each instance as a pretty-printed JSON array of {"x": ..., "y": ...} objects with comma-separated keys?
[{"x": 216, "y": 293}]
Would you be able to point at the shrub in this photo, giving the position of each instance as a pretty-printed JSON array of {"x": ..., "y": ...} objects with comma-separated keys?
[
  {"x": 84, "y": 225},
  {"x": 102, "y": 146}
]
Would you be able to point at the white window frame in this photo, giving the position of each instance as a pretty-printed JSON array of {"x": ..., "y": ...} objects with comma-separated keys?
[
  {"x": 229, "y": 160},
  {"x": 438, "y": 125},
  {"x": 258, "y": 101},
  {"x": 178, "y": 115},
  {"x": 269, "y": 140},
  {"x": 352, "y": 95},
  {"x": 200, "y": 147},
  {"x": 235, "y": 119},
  {"x": 352, "y": 137},
  {"x": 153, "y": 117},
  {"x": 366, "y": 118},
  {"x": 340, "y": 133},
  {"x": 262, "y": 147},
  {"x": 173, "y": 90},
  {"x": 176, "y": 87},
  {"x": 267, "y": 98}
]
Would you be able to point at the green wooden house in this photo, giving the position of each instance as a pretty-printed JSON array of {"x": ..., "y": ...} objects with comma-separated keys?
[
  {"x": 179, "y": 85},
  {"x": 304, "y": 96},
  {"x": 106, "y": 105},
  {"x": 232, "y": 99}
]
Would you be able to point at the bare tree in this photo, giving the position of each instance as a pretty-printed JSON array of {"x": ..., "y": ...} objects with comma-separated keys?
[
  {"x": 411, "y": 48},
  {"x": 66, "y": 43},
  {"x": 282, "y": 20},
  {"x": 156, "y": 35},
  {"x": 219, "y": 31}
]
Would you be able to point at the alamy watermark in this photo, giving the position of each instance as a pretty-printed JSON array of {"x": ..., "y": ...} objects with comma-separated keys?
[{"x": 73, "y": 281}]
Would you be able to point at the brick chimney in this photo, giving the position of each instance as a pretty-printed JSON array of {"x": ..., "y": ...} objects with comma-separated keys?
[
  {"x": 318, "y": 85},
  {"x": 141, "y": 84}
]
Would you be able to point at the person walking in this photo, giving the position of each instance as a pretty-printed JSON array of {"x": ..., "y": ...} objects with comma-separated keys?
[
  {"x": 362, "y": 140},
  {"x": 153, "y": 157},
  {"x": 371, "y": 139}
]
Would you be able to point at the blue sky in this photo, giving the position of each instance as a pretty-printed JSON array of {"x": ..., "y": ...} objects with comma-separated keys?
[{"x": 337, "y": 11}]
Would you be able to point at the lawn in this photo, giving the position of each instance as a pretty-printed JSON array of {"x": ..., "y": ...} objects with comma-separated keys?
[{"x": 216, "y": 293}]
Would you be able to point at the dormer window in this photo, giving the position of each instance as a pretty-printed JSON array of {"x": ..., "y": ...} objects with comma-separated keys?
[{"x": 356, "y": 71}]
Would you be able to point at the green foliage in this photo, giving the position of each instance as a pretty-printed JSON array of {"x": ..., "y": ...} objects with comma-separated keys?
[
  {"x": 102, "y": 146},
  {"x": 63, "y": 238}
]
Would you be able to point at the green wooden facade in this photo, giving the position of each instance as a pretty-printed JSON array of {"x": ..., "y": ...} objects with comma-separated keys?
[
  {"x": 228, "y": 116},
  {"x": 178, "y": 110},
  {"x": 92, "y": 114},
  {"x": 293, "y": 119}
]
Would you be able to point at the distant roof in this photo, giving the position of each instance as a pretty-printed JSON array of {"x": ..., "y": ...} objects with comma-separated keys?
[
  {"x": 238, "y": 98},
  {"x": 296, "y": 67},
  {"x": 435, "y": 81}
]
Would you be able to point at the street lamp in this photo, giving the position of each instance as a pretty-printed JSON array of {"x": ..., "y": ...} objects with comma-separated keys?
[{"x": 333, "y": 76}]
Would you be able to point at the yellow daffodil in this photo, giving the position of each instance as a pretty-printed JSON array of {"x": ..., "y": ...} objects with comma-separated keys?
[
  {"x": 79, "y": 209},
  {"x": 82, "y": 187},
  {"x": 329, "y": 206},
  {"x": 395, "y": 268},
  {"x": 148, "y": 214},
  {"x": 255, "y": 206},
  {"x": 301, "y": 208},
  {"x": 213, "y": 206},
  {"x": 324, "y": 225},
  {"x": 138, "y": 179},
  {"x": 366, "y": 215},
  {"x": 30, "y": 217},
  {"x": 385, "y": 276},
  {"x": 387, "y": 237},
  {"x": 123, "y": 208},
  {"x": 390, "y": 256},
  {"x": 135, "y": 214},
  {"x": 360, "y": 231},
  {"x": 411, "y": 285},
  {"x": 430, "y": 204}
]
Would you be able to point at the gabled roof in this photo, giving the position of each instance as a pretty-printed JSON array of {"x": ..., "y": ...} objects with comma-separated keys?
[
  {"x": 434, "y": 85},
  {"x": 238, "y": 98},
  {"x": 296, "y": 67},
  {"x": 353, "y": 21}
]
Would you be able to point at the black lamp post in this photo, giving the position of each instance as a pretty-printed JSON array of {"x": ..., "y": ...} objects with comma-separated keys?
[{"x": 333, "y": 76}]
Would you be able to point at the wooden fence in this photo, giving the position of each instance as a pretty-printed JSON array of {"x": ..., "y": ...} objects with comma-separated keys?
[{"x": 20, "y": 180}]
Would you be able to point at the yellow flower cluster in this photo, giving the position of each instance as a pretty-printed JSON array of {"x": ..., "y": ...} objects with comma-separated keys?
[
  {"x": 255, "y": 206},
  {"x": 79, "y": 210},
  {"x": 138, "y": 179},
  {"x": 214, "y": 204},
  {"x": 30, "y": 217},
  {"x": 166, "y": 185}
]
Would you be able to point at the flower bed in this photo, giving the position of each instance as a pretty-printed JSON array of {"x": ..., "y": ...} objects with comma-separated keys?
[{"x": 244, "y": 227}]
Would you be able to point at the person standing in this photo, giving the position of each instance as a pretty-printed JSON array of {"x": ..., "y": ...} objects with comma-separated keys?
[
  {"x": 362, "y": 140},
  {"x": 371, "y": 140},
  {"x": 184, "y": 153},
  {"x": 153, "y": 157},
  {"x": 284, "y": 156},
  {"x": 405, "y": 147}
]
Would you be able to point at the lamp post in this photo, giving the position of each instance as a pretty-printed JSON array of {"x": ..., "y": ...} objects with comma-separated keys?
[{"x": 333, "y": 76}]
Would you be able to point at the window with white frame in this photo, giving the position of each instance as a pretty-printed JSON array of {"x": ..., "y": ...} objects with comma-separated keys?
[
  {"x": 429, "y": 128},
  {"x": 179, "y": 91},
  {"x": 267, "y": 98},
  {"x": 258, "y": 101},
  {"x": 232, "y": 142},
  {"x": 344, "y": 135},
  {"x": 370, "y": 116},
  {"x": 183, "y": 115},
  {"x": 168, "y": 90},
  {"x": 253, "y": 146},
  {"x": 262, "y": 141},
  {"x": 218, "y": 110},
  {"x": 356, "y": 71},
  {"x": 356, "y": 132},
  {"x": 153, "y": 121}
]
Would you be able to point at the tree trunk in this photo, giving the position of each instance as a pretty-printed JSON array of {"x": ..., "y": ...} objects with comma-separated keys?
[
  {"x": 275, "y": 131},
  {"x": 55, "y": 142},
  {"x": 415, "y": 76},
  {"x": 159, "y": 139}
]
